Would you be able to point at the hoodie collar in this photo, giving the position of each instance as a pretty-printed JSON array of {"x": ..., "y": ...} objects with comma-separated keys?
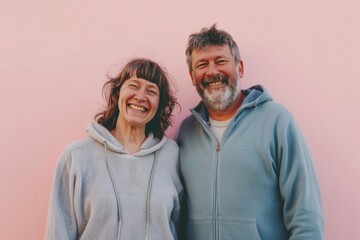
[
  {"x": 100, "y": 134},
  {"x": 254, "y": 96}
]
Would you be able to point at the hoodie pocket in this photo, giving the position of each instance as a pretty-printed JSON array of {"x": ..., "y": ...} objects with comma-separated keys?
[
  {"x": 199, "y": 228},
  {"x": 238, "y": 228}
]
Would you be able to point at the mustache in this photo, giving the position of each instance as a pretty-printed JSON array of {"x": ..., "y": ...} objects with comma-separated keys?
[{"x": 217, "y": 78}]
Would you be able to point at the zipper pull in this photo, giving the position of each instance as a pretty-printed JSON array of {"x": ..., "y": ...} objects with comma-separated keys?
[{"x": 217, "y": 147}]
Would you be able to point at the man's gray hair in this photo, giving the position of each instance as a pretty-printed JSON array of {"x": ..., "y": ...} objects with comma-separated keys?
[{"x": 210, "y": 37}]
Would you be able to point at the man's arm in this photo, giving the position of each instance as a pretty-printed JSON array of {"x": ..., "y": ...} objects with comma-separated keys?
[{"x": 303, "y": 216}]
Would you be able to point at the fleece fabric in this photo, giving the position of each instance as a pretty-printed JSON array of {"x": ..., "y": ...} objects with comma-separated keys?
[
  {"x": 257, "y": 182},
  {"x": 100, "y": 191}
]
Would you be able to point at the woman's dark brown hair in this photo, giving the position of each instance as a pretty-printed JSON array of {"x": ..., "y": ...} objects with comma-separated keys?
[{"x": 150, "y": 71}]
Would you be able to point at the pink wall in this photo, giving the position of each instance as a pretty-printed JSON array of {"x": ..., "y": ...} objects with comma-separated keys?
[{"x": 54, "y": 56}]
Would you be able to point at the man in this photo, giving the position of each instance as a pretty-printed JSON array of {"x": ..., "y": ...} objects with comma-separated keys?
[{"x": 246, "y": 168}]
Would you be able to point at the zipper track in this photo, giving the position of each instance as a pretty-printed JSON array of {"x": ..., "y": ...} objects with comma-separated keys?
[
  {"x": 216, "y": 232},
  {"x": 216, "y": 202},
  {"x": 215, "y": 180}
]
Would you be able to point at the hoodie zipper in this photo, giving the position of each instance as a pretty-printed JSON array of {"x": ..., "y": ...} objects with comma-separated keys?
[
  {"x": 215, "y": 180},
  {"x": 216, "y": 201},
  {"x": 216, "y": 231}
]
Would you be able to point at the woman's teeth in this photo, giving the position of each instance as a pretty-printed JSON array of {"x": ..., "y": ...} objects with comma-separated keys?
[{"x": 137, "y": 107}]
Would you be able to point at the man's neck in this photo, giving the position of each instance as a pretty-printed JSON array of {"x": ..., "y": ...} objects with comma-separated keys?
[{"x": 229, "y": 112}]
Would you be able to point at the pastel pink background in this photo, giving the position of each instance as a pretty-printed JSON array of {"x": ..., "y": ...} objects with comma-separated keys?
[{"x": 54, "y": 56}]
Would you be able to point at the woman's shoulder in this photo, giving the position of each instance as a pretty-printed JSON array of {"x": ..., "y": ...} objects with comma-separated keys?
[
  {"x": 78, "y": 151},
  {"x": 78, "y": 144},
  {"x": 78, "y": 148},
  {"x": 171, "y": 144}
]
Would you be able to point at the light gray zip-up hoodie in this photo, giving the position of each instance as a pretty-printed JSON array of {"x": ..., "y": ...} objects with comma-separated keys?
[{"x": 100, "y": 191}]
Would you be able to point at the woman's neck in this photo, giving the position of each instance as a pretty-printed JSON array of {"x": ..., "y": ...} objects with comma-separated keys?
[{"x": 129, "y": 137}]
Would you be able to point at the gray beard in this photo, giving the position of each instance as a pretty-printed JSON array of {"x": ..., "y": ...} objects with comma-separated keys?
[{"x": 222, "y": 99}]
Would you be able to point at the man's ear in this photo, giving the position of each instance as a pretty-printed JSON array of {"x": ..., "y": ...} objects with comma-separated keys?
[
  {"x": 241, "y": 69},
  {"x": 191, "y": 73}
]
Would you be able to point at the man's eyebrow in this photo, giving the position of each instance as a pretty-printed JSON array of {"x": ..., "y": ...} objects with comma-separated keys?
[{"x": 200, "y": 60}]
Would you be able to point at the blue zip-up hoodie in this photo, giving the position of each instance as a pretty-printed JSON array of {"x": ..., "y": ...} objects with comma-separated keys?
[{"x": 258, "y": 182}]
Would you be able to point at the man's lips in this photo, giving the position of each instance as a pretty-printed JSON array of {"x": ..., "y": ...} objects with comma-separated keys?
[
  {"x": 218, "y": 80},
  {"x": 215, "y": 84}
]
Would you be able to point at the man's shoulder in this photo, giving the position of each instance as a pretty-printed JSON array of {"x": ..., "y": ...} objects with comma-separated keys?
[
  {"x": 275, "y": 108},
  {"x": 188, "y": 122},
  {"x": 187, "y": 125}
]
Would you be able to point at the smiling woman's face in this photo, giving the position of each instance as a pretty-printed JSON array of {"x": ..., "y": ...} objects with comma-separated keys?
[{"x": 138, "y": 101}]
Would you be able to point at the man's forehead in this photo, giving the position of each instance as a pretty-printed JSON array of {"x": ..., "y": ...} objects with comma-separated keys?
[
  {"x": 212, "y": 48},
  {"x": 213, "y": 51}
]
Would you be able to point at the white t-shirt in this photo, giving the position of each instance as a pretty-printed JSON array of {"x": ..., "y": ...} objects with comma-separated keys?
[{"x": 219, "y": 127}]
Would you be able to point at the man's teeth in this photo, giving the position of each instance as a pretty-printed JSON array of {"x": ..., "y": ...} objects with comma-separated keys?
[
  {"x": 215, "y": 84},
  {"x": 137, "y": 107}
]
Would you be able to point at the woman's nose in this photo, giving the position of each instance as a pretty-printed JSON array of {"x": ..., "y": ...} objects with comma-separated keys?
[{"x": 140, "y": 95}]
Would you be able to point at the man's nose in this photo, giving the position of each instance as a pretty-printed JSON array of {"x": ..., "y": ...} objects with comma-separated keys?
[{"x": 212, "y": 70}]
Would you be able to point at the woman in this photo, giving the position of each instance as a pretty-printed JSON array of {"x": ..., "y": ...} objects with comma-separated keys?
[{"x": 122, "y": 182}]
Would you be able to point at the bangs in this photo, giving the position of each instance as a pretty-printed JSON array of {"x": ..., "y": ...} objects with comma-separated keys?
[{"x": 147, "y": 70}]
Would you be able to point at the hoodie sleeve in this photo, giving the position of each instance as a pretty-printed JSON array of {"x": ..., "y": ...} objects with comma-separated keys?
[
  {"x": 61, "y": 222},
  {"x": 299, "y": 188}
]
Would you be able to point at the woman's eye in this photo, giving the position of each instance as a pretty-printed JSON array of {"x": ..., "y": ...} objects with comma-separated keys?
[
  {"x": 132, "y": 86},
  {"x": 152, "y": 92}
]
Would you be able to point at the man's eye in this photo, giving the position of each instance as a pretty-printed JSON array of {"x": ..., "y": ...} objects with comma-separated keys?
[
  {"x": 200, "y": 66},
  {"x": 222, "y": 62}
]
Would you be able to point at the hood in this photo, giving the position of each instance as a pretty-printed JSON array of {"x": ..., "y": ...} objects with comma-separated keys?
[
  {"x": 255, "y": 96},
  {"x": 102, "y": 135}
]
